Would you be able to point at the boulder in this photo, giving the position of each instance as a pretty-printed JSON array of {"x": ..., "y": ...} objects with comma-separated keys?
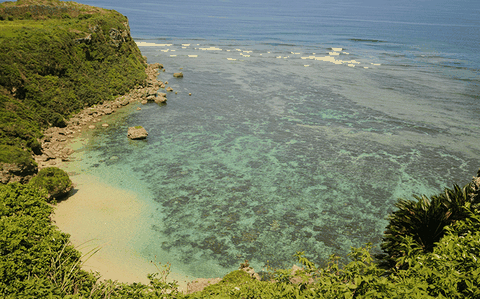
[
  {"x": 160, "y": 100},
  {"x": 108, "y": 111},
  {"x": 157, "y": 65},
  {"x": 137, "y": 132},
  {"x": 178, "y": 75},
  {"x": 169, "y": 89}
]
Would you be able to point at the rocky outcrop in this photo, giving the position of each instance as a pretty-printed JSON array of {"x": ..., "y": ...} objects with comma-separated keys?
[
  {"x": 251, "y": 272},
  {"x": 199, "y": 284},
  {"x": 178, "y": 75},
  {"x": 11, "y": 172},
  {"x": 137, "y": 132},
  {"x": 55, "y": 141}
]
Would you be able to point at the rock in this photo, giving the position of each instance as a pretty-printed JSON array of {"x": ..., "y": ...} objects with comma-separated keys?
[
  {"x": 125, "y": 102},
  {"x": 251, "y": 272},
  {"x": 85, "y": 40},
  {"x": 166, "y": 82},
  {"x": 162, "y": 94},
  {"x": 139, "y": 108},
  {"x": 190, "y": 94},
  {"x": 178, "y": 75},
  {"x": 108, "y": 111},
  {"x": 12, "y": 172},
  {"x": 299, "y": 275},
  {"x": 144, "y": 102},
  {"x": 91, "y": 127},
  {"x": 169, "y": 89},
  {"x": 160, "y": 100},
  {"x": 137, "y": 132},
  {"x": 201, "y": 283},
  {"x": 104, "y": 125}
]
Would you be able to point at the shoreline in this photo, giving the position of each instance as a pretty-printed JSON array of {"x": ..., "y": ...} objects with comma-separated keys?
[{"x": 98, "y": 215}]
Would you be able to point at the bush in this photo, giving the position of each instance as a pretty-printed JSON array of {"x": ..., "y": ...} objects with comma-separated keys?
[
  {"x": 425, "y": 220},
  {"x": 37, "y": 260},
  {"x": 54, "y": 180},
  {"x": 12, "y": 154}
]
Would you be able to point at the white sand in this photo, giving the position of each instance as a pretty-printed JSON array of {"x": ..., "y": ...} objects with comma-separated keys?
[{"x": 99, "y": 215}]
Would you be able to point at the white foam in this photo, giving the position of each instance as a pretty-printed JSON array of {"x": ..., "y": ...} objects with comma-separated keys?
[
  {"x": 193, "y": 56},
  {"x": 337, "y": 49},
  {"x": 145, "y": 44},
  {"x": 211, "y": 49}
]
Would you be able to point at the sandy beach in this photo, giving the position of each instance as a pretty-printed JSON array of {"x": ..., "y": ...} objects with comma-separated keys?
[{"x": 100, "y": 216}]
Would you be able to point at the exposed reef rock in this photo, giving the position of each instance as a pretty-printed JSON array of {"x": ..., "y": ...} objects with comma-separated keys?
[
  {"x": 137, "y": 132},
  {"x": 178, "y": 75},
  {"x": 55, "y": 140}
]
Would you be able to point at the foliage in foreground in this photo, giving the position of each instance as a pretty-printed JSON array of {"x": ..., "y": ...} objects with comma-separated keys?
[{"x": 37, "y": 260}]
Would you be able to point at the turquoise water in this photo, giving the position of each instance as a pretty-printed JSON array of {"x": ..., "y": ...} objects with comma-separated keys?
[{"x": 275, "y": 152}]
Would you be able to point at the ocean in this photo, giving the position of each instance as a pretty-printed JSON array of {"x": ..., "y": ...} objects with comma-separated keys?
[{"x": 306, "y": 122}]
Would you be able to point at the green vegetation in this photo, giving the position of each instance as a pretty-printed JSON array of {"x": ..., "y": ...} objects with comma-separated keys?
[
  {"x": 55, "y": 58},
  {"x": 54, "y": 180},
  {"x": 12, "y": 154},
  {"x": 38, "y": 260}
]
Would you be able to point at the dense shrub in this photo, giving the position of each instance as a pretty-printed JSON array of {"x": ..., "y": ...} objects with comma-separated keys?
[
  {"x": 54, "y": 180},
  {"x": 425, "y": 220},
  {"x": 12, "y": 154},
  {"x": 36, "y": 258}
]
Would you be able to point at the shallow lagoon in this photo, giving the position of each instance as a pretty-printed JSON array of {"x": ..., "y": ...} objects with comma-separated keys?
[{"x": 276, "y": 152}]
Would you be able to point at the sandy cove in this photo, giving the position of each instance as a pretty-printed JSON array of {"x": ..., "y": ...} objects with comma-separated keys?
[
  {"x": 104, "y": 218},
  {"x": 98, "y": 215}
]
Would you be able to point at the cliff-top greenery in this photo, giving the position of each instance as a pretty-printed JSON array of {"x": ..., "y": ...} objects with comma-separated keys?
[{"x": 55, "y": 58}]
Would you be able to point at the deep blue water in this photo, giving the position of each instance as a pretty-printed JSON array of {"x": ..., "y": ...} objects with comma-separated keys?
[{"x": 276, "y": 152}]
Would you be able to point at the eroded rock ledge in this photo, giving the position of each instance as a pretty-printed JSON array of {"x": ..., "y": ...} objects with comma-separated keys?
[{"x": 55, "y": 140}]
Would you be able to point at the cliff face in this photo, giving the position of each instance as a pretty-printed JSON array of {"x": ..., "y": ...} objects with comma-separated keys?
[{"x": 56, "y": 58}]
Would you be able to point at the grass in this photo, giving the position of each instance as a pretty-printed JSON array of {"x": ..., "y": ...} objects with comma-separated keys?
[{"x": 47, "y": 73}]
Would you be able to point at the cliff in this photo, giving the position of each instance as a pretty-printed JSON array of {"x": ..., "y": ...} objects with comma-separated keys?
[{"x": 56, "y": 58}]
